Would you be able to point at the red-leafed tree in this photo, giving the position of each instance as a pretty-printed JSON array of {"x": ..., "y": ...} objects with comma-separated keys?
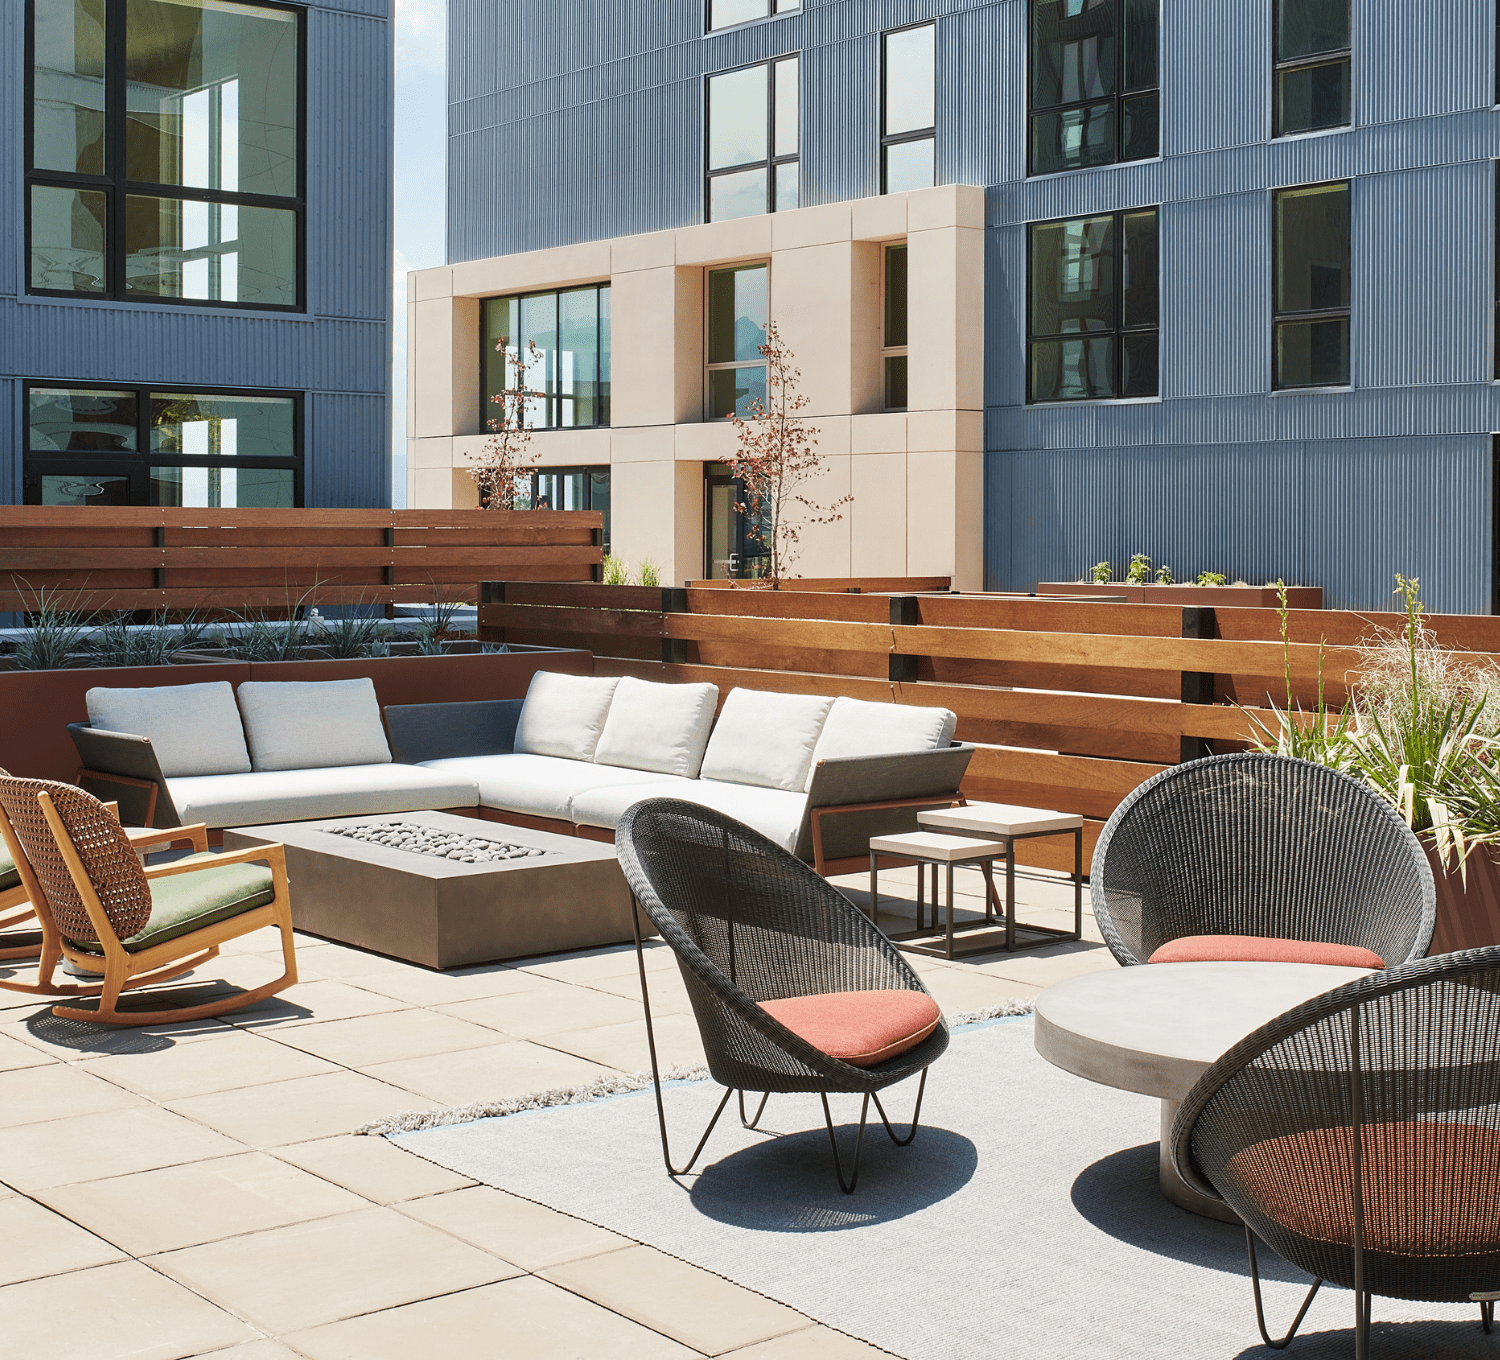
[{"x": 504, "y": 466}]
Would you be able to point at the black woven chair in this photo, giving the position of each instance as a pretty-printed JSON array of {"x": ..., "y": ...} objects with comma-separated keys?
[
  {"x": 1261, "y": 845},
  {"x": 1359, "y": 1135},
  {"x": 750, "y": 923}
]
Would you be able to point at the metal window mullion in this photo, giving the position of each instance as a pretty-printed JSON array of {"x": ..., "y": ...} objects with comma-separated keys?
[{"x": 115, "y": 106}]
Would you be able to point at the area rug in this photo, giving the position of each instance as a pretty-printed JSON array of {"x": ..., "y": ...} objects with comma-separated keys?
[{"x": 1025, "y": 1221}]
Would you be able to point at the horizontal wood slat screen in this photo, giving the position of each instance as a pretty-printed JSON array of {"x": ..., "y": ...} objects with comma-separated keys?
[{"x": 99, "y": 558}]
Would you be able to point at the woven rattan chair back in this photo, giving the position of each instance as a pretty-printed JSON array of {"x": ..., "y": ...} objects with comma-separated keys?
[
  {"x": 750, "y": 923},
  {"x": 1257, "y": 844},
  {"x": 102, "y": 846},
  {"x": 1411, "y": 1057}
]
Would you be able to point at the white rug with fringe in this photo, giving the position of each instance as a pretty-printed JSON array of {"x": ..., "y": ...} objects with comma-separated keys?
[{"x": 1025, "y": 1220}]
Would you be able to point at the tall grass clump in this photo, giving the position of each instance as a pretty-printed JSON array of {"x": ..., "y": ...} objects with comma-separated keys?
[{"x": 53, "y": 635}]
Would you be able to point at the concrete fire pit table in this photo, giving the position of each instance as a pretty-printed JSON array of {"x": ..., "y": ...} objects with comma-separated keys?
[
  {"x": 494, "y": 892},
  {"x": 1158, "y": 1027}
]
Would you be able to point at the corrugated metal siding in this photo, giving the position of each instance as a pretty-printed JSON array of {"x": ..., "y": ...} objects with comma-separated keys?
[
  {"x": 1417, "y": 60},
  {"x": 338, "y": 352}
]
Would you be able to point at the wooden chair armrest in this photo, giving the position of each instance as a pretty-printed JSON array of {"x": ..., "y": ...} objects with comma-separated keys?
[
  {"x": 142, "y": 836},
  {"x": 276, "y": 854}
]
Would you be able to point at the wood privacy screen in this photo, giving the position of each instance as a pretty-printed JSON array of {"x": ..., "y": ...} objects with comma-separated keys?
[
  {"x": 99, "y": 558},
  {"x": 1073, "y": 704}
]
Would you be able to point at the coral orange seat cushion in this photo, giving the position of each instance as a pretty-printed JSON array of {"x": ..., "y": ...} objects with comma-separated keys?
[
  {"x": 859, "y": 1028},
  {"x": 1430, "y": 1189},
  {"x": 1256, "y": 949}
]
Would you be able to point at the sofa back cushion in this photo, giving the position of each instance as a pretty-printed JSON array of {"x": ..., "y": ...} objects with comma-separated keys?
[
  {"x": 656, "y": 727},
  {"x": 194, "y": 729},
  {"x": 856, "y": 727},
  {"x": 564, "y": 715},
  {"x": 765, "y": 739},
  {"x": 312, "y": 725}
]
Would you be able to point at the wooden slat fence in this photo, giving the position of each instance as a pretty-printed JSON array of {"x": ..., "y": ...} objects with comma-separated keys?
[
  {"x": 1072, "y": 703},
  {"x": 99, "y": 558}
]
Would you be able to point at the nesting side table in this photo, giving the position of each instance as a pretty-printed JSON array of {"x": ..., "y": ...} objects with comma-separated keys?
[{"x": 934, "y": 848}]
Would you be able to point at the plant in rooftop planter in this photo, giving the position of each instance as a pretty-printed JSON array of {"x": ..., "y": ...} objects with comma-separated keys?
[
  {"x": 1212, "y": 578},
  {"x": 614, "y": 571},
  {"x": 777, "y": 459},
  {"x": 1100, "y": 573},
  {"x": 1164, "y": 576},
  {"x": 56, "y": 638},
  {"x": 648, "y": 573},
  {"x": 503, "y": 467},
  {"x": 1140, "y": 570}
]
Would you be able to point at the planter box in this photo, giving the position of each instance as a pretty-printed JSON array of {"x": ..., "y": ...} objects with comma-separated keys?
[
  {"x": 1223, "y": 597},
  {"x": 1468, "y": 908}
]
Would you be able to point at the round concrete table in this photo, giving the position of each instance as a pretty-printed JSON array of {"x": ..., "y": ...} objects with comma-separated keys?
[{"x": 1158, "y": 1027}]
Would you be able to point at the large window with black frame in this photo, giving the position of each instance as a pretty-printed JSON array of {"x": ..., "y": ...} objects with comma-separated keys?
[
  {"x": 908, "y": 108},
  {"x": 752, "y": 117},
  {"x": 1312, "y": 64},
  {"x": 1311, "y": 289},
  {"x": 101, "y": 444},
  {"x": 1094, "y": 95},
  {"x": 1093, "y": 313},
  {"x": 554, "y": 346},
  {"x": 165, "y": 151},
  {"x": 567, "y": 488},
  {"x": 728, "y": 13}
]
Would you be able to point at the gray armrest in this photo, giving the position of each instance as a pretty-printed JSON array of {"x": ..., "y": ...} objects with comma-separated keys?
[
  {"x": 131, "y": 758},
  {"x": 923, "y": 775},
  {"x": 486, "y": 727}
]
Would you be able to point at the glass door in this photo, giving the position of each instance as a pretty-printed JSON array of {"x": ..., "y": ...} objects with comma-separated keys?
[{"x": 735, "y": 545}]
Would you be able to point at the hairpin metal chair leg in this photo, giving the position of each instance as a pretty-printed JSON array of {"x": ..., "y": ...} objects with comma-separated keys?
[
  {"x": 1487, "y": 1312},
  {"x": 1260, "y": 1313},
  {"x": 859, "y": 1143},
  {"x": 916, "y": 1114},
  {"x": 760, "y": 1110}
]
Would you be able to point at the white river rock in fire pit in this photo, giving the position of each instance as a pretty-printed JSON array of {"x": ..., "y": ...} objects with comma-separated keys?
[{"x": 426, "y": 840}]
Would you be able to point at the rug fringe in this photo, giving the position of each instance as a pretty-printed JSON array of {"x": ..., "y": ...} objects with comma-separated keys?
[{"x": 416, "y": 1121}]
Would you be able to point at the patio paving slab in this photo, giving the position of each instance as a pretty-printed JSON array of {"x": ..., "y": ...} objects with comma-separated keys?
[
  {"x": 546, "y": 1009},
  {"x": 624, "y": 1046},
  {"x": 514, "y": 1067},
  {"x": 373, "y": 1168},
  {"x": 14, "y": 1054},
  {"x": 424, "y": 987},
  {"x": 311, "y": 1273},
  {"x": 35, "y": 1242},
  {"x": 811, "y": 1343},
  {"x": 555, "y": 1325},
  {"x": 255, "y": 1350},
  {"x": 32, "y": 1094},
  {"x": 231, "y": 1061},
  {"x": 589, "y": 965},
  {"x": 309, "y": 1003},
  {"x": 528, "y": 1235},
  {"x": 201, "y": 1202},
  {"x": 390, "y": 1037}
]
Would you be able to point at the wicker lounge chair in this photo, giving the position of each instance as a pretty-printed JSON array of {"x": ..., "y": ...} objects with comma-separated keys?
[
  {"x": 750, "y": 923},
  {"x": 1359, "y": 1135},
  {"x": 1260, "y": 845},
  {"x": 100, "y": 909}
]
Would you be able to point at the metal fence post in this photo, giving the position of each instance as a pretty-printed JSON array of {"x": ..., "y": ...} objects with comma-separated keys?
[
  {"x": 673, "y": 601},
  {"x": 1197, "y": 686},
  {"x": 905, "y": 612}
]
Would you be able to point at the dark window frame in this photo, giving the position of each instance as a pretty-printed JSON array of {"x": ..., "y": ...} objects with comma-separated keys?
[
  {"x": 888, "y": 350},
  {"x": 138, "y": 462},
  {"x": 925, "y": 134},
  {"x": 746, "y": 551},
  {"x": 775, "y": 9},
  {"x": 1278, "y": 68},
  {"x": 117, "y": 189},
  {"x": 1118, "y": 98},
  {"x": 1119, "y": 330},
  {"x": 587, "y": 471},
  {"x": 1316, "y": 314},
  {"x": 723, "y": 365},
  {"x": 772, "y": 160},
  {"x": 602, "y": 403}
]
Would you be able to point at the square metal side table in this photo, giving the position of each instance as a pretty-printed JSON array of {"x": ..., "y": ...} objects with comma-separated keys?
[{"x": 934, "y": 849}]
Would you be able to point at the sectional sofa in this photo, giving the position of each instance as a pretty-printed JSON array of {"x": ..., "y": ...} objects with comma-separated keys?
[{"x": 818, "y": 775}]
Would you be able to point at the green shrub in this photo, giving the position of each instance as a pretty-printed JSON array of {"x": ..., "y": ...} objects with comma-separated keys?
[
  {"x": 1100, "y": 573},
  {"x": 616, "y": 572},
  {"x": 1140, "y": 570},
  {"x": 648, "y": 573},
  {"x": 1212, "y": 578}
]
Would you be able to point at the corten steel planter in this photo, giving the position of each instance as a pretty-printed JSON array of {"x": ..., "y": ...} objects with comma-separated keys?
[
  {"x": 1468, "y": 907},
  {"x": 37, "y": 706},
  {"x": 1222, "y": 597}
]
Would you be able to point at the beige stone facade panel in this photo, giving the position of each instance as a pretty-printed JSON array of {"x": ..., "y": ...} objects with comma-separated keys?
[
  {"x": 823, "y": 549},
  {"x": 643, "y": 521},
  {"x": 425, "y": 284},
  {"x": 429, "y": 453},
  {"x": 877, "y": 515},
  {"x": 812, "y": 303},
  {"x": 430, "y": 345},
  {"x": 709, "y": 441},
  {"x": 945, "y": 329},
  {"x": 644, "y": 341},
  {"x": 879, "y": 219},
  {"x": 744, "y": 238},
  {"x": 643, "y": 444},
  {"x": 464, "y": 490},
  {"x": 947, "y": 205},
  {"x": 820, "y": 226},
  {"x": 883, "y": 432},
  {"x": 650, "y": 250},
  {"x": 429, "y": 488},
  {"x": 945, "y": 517},
  {"x": 944, "y": 431},
  {"x": 588, "y": 262}
]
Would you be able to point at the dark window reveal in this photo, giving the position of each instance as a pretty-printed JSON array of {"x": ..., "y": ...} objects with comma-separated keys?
[
  {"x": 893, "y": 337},
  {"x": 556, "y": 345},
  {"x": 1312, "y": 65},
  {"x": 1312, "y": 287}
]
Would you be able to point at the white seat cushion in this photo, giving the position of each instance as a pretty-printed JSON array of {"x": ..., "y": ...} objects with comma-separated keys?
[
  {"x": 563, "y": 715},
  {"x": 765, "y": 739},
  {"x": 194, "y": 729},
  {"x": 660, "y": 728},
  {"x": 856, "y": 727},
  {"x": 775, "y": 813},
  {"x": 313, "y": 724},
  {"x": 302, "y": 795},
  {"x": 539, "y": 786}
]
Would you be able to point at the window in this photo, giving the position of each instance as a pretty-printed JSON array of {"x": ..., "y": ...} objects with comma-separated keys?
[
  {"x": 1093, "y": 83},
  {"x": 752, "y": 140},
  {"x": 737, "y": 300},
  {"x": 567, "y": 488},
  {"x": 727, "y": 13},
  {"x": 1312, "y": 65},
  {"x": 1312, "y": 287},
  {"x": 736, "y": 544},
  {"x": 165, "y": 151},
  {"x": 143, "y": 446},
  {"x": 893, "y": 331},
  {"x": 908, "y": 103},
  {"x": 569, "y": 366},
  {"x": 1093, "y": 313}
]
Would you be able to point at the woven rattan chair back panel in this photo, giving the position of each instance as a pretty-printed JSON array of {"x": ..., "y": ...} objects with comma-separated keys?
[
  {"x": 111, "y": 864},
  {"x": 1257, "y": 844},
  {"x": 1276, "y": 1139}
]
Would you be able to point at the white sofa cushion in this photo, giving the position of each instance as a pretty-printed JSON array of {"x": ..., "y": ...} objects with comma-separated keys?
[
  {"x": 563, "y": 715},
  {"x": 773, "y": 812},
  {"x": 302, "y": 795},
  {"x": 313, "y": 724},
  {"x": 539, "y": 786},
  {"x": 765, "y": 739},
  {"x": 656, "y": 727},
  {"x": 857, "y": 727},
  {"x": 194, "y": 729}
]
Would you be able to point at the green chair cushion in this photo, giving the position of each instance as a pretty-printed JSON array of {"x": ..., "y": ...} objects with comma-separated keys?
[
  {"x": 183, "y": 903},
  {"x": 10, "y": 876}
]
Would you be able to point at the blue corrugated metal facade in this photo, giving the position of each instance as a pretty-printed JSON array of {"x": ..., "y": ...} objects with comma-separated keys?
[
  {"x": 337, "y": 353},
  {"x": 582, "y": 120}
]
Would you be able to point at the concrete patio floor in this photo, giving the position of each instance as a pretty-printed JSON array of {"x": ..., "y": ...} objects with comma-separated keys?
[{"x": 194, "y": 1189}]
